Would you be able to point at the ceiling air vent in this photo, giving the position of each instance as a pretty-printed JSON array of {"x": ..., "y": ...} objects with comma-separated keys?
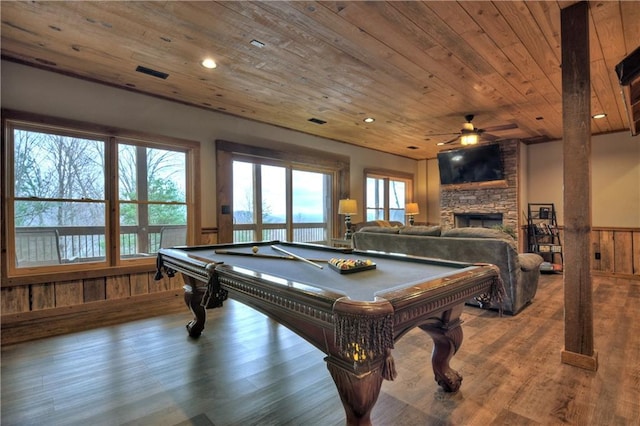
[
  {"x": 317, "y": 121},
  {"x": 154, "y": 73}
]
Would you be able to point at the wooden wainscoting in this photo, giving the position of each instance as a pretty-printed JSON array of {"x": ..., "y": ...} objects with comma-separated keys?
[
  {"x": 55, "y": 305},
  {"x": 34, "y": 311},
  {"x": 616, "y": 251}
]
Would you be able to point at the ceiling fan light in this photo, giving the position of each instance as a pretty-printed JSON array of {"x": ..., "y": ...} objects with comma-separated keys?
[{"x": 469, "y": 139}]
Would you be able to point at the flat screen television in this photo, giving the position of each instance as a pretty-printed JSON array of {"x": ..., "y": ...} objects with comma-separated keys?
[{"x": 477, "y": 164}]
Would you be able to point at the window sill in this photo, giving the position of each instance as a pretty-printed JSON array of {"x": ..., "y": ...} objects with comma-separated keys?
[{"x": 58, "y": 276}]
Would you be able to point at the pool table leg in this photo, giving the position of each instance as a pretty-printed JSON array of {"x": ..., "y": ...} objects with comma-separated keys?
[
  {"x": 193, "y": 299},
  {"x": 358, "y": 390},
  {"x": 447, "y": 338}
]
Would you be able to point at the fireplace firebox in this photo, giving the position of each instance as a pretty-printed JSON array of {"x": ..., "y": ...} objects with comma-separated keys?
[{"x": 482, "y": 220}]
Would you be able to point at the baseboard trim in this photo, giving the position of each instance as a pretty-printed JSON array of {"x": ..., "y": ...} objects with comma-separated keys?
[{"x": 587, "y": 362}]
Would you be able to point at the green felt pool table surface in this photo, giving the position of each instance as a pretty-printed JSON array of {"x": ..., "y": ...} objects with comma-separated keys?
[{"x": 391, "y": 272}]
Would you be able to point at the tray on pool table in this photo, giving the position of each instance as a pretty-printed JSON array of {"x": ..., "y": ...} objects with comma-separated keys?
[{"x": 353, "y": 265}]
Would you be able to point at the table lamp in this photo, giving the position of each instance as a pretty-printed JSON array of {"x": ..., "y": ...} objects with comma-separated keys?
[
  {"x": 347, "y": 208},
  {"x": 411, "y": 209}
]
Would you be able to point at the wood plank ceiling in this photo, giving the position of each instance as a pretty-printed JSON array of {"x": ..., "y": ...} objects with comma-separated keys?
[{"x": 416, "y": 67}]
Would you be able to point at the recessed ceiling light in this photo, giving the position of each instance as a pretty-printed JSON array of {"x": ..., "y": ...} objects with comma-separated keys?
[
  {"x": 440, "y": 143},
  {"x": 369, "y": 120},
  {"x": 209, "y": 63},
  {"x": 597, "y": 116}
]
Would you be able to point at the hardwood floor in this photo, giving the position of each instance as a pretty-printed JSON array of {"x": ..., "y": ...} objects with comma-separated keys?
[{"x": 248, "y": 370}]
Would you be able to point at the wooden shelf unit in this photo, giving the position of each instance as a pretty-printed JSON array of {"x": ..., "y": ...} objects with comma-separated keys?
[{"x": 543, "y": 234}]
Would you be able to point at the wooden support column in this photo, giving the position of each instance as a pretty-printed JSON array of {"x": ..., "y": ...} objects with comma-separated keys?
[{"x": 576, "y": 109}]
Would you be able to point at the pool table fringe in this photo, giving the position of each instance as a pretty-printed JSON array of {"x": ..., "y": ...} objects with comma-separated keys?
[
  {"x": 214, "y": 295},
  {"x": 362, "y": 337},
  {"x": 496, "y": 295}
]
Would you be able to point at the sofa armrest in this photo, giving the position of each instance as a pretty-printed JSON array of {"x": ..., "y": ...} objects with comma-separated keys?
[{"x": 529, "y": 261}]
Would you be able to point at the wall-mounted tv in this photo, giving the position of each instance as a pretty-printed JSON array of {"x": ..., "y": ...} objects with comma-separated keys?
[{"x": 477, "y": 164}]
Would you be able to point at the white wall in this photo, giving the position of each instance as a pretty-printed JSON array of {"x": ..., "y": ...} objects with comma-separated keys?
[
  {"x": 433, "y": 191},
  {"x": 615, "y": 179},
  {"x": 37, "y": 91}
]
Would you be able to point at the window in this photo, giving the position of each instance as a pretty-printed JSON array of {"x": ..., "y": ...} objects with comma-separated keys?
[
  {"x": 63, "y": 212},
  {"x": 59, "y": 186},
  {"x": 280, "y": 203},
  {"x": 152, "y": 198},
  {"x": 288, "y": 194},
  {"x": 386, "y": 195}
]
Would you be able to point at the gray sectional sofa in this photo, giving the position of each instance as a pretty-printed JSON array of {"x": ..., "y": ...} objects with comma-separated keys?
[{"x": 519, "y": 271}]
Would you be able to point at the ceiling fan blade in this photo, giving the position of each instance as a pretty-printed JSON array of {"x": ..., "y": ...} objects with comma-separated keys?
[
  {"x": 442, "y": 134},
  {"x": 488, "y": 136},
  {"x": 451, "y": 141},
  {"x": 500, "y": 128}
]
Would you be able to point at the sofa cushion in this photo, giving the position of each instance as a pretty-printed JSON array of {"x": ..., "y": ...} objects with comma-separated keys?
[
  {"x": 358, "y": 226},
  {"x": 433, "y": 231},
  {"x": 380, "y": 229},
  {"x": 474, "y": 232}
]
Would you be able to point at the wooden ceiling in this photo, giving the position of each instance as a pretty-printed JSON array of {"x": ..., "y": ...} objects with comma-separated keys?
[{"x": 417, "y": 67}]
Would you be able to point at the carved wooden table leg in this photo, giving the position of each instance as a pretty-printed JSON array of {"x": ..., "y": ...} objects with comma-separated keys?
[
  {"x": 358, "y": 391},
  {"x": 193, "y": 298},
  {"x": 447, "y": 338}
]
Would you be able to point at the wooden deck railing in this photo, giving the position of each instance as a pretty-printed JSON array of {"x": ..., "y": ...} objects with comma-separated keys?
[
  {"x": 302, "y": 232},
  {"x": 88, "y": 243}
]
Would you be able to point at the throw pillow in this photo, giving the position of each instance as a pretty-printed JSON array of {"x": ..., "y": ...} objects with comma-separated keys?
[
  {"x": 432, "y": 231},
  {"x": 380, "y": 229},
  {"x": 473, "y": 232}
]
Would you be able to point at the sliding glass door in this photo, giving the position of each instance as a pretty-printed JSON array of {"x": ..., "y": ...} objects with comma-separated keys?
[{"x": 280, "y": 202}]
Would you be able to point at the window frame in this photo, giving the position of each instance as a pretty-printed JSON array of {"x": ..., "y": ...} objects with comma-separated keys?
[
  {"x": 113, "y": 264},
  {"x": 387, "y": 176},
  {"x": 281, "y": 155},
  {"x": 289, "y": 168}
]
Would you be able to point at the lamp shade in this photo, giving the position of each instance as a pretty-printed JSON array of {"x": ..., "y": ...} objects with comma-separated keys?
[
  {"x": 469, "y": 138},
  {"x": 347, "y": 206},
  {"x": 411, "y": 208}
]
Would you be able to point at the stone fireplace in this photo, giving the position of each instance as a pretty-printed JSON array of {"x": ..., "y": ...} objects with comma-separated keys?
[{"x": 484, "y": 204}]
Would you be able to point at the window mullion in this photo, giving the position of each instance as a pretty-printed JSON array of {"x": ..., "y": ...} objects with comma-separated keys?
[
  {"x": 111, "y": 204},
  {"x": 257, "y": 202},
  {"x": 142, "y": 188},
  {"x": 289, "y": 203}
]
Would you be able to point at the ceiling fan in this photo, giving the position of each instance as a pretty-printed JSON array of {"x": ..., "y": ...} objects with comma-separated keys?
[{"x": 471, "y": 135}]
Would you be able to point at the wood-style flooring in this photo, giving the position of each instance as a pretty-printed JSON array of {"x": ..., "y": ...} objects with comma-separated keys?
[{"x": 248, "y": 370}]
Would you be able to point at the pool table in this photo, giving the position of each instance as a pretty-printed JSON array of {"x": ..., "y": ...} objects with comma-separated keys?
[{"x": 353, "y": 316}]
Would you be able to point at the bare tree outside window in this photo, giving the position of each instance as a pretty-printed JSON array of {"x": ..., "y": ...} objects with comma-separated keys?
[
  {"x": 60, "y": 189},
  {"x": 60, "y": 184}
]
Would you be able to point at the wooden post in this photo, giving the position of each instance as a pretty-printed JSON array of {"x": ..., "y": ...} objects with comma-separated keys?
[{"x": 576, "y": 109}]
